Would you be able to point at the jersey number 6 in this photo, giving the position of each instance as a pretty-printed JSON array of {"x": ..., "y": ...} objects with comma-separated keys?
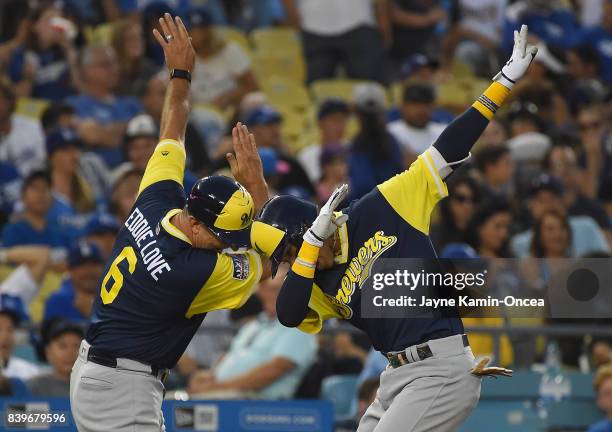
[{"x": 108, "y": 296}]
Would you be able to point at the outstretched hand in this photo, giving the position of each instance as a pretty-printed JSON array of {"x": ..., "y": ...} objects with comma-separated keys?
[
  {"x": 176, "y": 43},
  {"x": 521, "y": 58}
]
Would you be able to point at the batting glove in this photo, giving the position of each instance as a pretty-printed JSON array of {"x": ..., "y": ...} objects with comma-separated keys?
[
  {"x": 326, "y": 223},
  {"x": 522, "y": 56}
]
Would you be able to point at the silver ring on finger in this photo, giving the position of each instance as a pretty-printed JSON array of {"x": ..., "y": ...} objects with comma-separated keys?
[{"x": 169, "y": 38}]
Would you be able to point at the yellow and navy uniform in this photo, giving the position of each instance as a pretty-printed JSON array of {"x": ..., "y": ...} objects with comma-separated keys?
[
  {"x": 157, "y": 288},
  {"x": 392, "y": 221}
]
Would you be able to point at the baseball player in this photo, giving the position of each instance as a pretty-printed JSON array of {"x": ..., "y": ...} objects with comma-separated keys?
[
  {"x": 166, "y": 271},
  {"x": 432, "y": 381}
]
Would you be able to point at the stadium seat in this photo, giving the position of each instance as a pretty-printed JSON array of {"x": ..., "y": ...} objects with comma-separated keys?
[
  {"x": 285, "y": 94},
  {"x": 31, "y": 108},
  {"x": 276, "y": 39},
  {"x": 504, "y": 416},
  {"x": 582, "y": 385},
  {"x": 338, "y": 88},
  {"x": 340, "y": 391},
  {"x": 290, "y": 65},
  {"x": 232, "y": 34},
  {"x": 572, "y": 415},
  {"x": 523, "y": 385},
  {"x": 101, "y": 34},
  {"x": 26, "y": 352}
]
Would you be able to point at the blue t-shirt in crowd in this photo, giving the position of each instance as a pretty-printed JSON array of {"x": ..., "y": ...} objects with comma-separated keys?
[
  {"x": 52, "y": 79},
  {"x": 601, "y": 40},
  {"x": 67, "y": 218},
  {"x": 60, "y": 304},
  {"x": 602, "y": 426},
  {"x": 23, "y": 233},
  {"x": 557, "y": 28},
  {"x": 114, "y": 109}
]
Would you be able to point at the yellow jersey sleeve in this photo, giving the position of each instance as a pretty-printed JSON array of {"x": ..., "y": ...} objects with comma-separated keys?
[
  {"x": 166, "y": 163},
  {"x": 231, "y": 283},
  {"x": 414, "y": 193},
  {"x": 321, "y": 307}
]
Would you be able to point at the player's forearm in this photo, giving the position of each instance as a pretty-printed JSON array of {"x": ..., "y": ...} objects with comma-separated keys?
[
  {"x": 292, "y": 301},
  {"x": 455, "y": 143},
  {"x": 175, "y": 112}
]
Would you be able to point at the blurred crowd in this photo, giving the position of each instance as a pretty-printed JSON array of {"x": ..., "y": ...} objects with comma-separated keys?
[{"x": 334, "y": 91}]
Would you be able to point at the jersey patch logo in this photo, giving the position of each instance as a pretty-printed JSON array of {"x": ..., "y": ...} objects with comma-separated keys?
[
  {"x": 165, "y": 153},
  {"x": 360, "y": 266},
  {"x": 241, "y": 267}
]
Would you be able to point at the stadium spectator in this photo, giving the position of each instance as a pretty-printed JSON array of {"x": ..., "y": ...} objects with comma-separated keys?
[
  {"x": 335, "y": 172},
  {"x": 603, "y": 388},
  {"x": 60, "y": 347},
  {"x": 152, "y": 97},
  {"x": 342, "y": 32},
  {"x": 10, "y": 190},
  {"x": 73, "y": 197},
  {"x": 102, "y": 116},
  {"x": 365, "y": 395},
  {"x": 134, "y": 68},
  {"x": 552, "y": 236},
  {"x": 252, "y": 14},
  {"x": 332, "y": 118},
  {"x": 561, "y": 163},
  {"x": 102, "y": 230},
  {"x": 489, "y": 230},
  {"x": 22, "y": 142},
  {"x": 415, "y": 25},
  {"x": 495, "y": 134},
  {"x": 528, "y": 143},
  {"x": 375, "y": 154},
  {"x": 222, "y": 74},
  {"x": 600, "y": 38},
  {"x": 547, "y": 194},
  {"x": 141, "y": 137},
  {"x": 583, "y": 63},
  {"x": 33, "y": 226},
  {"x": 416, "y": 131},
  {"x": 596, "y": 160},
  {"x": 124, "y": 193},
  {"x": 74, "y": 298},
  {"x": 12, "y": 366},
  {"x": 265, "y": 358},
  {"x": 456, "y": 212},
  {"x": 45, "y": 66},
  {"x": 475, "y": 37},
  {"x": 549, "y": 21},
  {"x": 265, "y": 124},
  {"x": 496, "y": 169}
]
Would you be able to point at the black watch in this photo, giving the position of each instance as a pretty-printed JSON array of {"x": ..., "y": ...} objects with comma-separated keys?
[{"x": 180, "y": 73}]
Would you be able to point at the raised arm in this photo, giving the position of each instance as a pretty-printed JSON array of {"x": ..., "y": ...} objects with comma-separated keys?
[
  {"x": 168, "y": 160},
  {"x": 455, "y": 142}
]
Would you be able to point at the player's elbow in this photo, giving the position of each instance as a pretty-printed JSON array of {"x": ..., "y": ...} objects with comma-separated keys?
[{"x": 288, "y": 319}]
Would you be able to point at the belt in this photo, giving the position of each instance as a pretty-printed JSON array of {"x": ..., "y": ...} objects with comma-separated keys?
[
  {"x": 105, "y": 359},
  {"x": 423, "y": 351}
]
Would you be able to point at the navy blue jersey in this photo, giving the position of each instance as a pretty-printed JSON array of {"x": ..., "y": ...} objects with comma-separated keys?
[
  {"x": 157, "y": 288},
  {"x": 392, "y": 221}
]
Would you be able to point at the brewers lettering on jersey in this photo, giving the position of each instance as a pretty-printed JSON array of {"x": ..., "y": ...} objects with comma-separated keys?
[
  {"x": 433, "y": 380},
  {"x": 167, "y": 268}
]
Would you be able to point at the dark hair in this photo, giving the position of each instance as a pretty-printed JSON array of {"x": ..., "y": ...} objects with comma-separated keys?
[
  {"x": 537, "y": 246},
  {"x": 34, "y": 176},
  {"x": 373, "y": 138},
  {"x": 454, "y": 182},
  {"x": 490, "y": 155},
  {"x": 51, "y": 115},
  {"x": 587, "y": 54},
  {"x": 483, "y": 214},
  {"x": 366, "y": 388}
]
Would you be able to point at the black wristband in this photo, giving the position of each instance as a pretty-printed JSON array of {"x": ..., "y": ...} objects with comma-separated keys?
[{"x": 180, "y": 73}]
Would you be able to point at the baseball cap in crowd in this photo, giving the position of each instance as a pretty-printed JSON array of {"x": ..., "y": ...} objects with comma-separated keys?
[
  {"x": 13, "y": 307},
  {"x": 369, "y": 97},
  {"x": 83, "y": 252},
  {"x": 329, "y": 154},
  {"x": 269, "y": 161},
  {"x": 458, "y": 251},
  {"x": 101, "y": 223},
  {"x": 419, "y": 92},
  {"x": 51, "y": 330},
  {"x": 62, "y": 138},
  {"x": 142, "y": 125},
  {"x": 545, "y": 182},
  {"x": 332, "y": 106},
  {"x": 199, "y": 17},
  {"x": 413, "y": 63},
  {"x": 264, "y": 115}
]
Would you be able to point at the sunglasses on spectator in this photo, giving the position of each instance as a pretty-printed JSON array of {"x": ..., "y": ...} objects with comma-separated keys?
[
  {"x": 463, "y": 199},
  {"x": 589, "y": 126}
]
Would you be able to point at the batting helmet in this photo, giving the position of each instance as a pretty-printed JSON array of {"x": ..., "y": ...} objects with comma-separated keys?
[
  {"x": 224, "y": 207},
  {"x": 281, "y": 222}
]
